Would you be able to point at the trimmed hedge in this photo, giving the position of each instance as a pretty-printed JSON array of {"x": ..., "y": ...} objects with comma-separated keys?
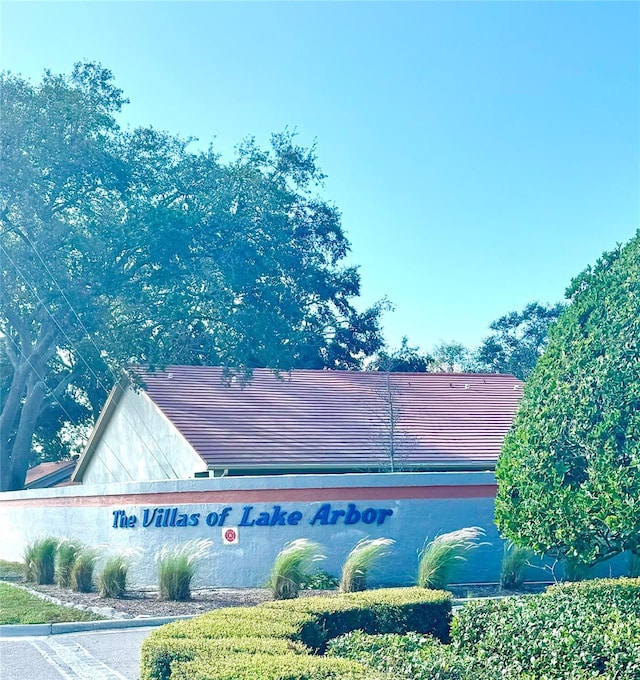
[
  {"x": 390, "y": 610},
  {"x": 242, "y": 622},
  {"x": 265, "y": 667},
  {"x": 580, "y": 630},
  {"x": 158, "y": 656},
  {"x": 241, "y": 642}
]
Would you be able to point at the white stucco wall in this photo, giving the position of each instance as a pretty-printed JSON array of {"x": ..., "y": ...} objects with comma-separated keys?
[
  {"x": 140, "y": 444},
  {"x": 415, "y": 506}
]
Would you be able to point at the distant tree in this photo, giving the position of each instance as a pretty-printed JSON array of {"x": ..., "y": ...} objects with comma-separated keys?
[
  {"x": 518, "y": 340},
  {"x": 452, "y": 357},
  {"x": 569, "y": 472},
  {"x": 125, "y": 246},
  {"x": 405, "y": 359}
]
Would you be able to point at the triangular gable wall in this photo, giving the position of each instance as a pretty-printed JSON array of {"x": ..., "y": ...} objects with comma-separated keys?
[{"x": 134, "y": 442}]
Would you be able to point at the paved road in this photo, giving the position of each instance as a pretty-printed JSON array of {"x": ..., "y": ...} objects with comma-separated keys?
[{"x": 99, "y": 655}]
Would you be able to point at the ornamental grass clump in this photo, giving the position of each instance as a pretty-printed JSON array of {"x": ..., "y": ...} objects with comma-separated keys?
[
  {"x": 39, "y": 560},
  {"x": 291, "y": 568},
  {"x": 514, "y": 562},
  {"x": 112, "y": 581},
  {"x": 65, "y": 558},
  {"x": 82, "y": 571},
  {"x": 440, "y": 556},
  {"x": 360, "y": 561},
  {"x": 177, "y": 567}
]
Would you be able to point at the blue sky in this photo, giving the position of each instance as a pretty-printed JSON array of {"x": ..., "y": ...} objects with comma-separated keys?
[{"x": 481, "y": 153}]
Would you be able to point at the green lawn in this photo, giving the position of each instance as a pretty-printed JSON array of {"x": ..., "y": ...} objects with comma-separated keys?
[{"x": 18, "y": 606}]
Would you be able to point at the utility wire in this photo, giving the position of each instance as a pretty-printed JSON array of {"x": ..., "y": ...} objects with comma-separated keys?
[
  {"x": 98, "y": 350},
  {"x": 61, "y": 405},
  {"x": 80, "y": 355}
]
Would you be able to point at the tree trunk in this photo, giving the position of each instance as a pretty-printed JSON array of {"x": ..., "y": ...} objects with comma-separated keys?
[
  {"x": 8, "y": 424},
  {"x": 21, "y": 410},
  {"x": 21, "y": 448}
]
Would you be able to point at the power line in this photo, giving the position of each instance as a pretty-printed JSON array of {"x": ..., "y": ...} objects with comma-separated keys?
[
  {"x": 80, "y": 355},
  {"x": 60, "y": 404}
]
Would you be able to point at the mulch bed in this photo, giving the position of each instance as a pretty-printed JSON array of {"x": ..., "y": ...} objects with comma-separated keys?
[{"x": 146, "y": 602}]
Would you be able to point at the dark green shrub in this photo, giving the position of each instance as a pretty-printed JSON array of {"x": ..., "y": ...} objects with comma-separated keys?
[
  {"x": 65, "y": 557},
  {"x": 575, "y": 630},
  {"x": 82, "y": 571},
  {"x": 39, "y": 560},
  {"x": 406, "y": 657},
  {"x": 112, "y": 581},
  {"x": 320, "y": 580}
]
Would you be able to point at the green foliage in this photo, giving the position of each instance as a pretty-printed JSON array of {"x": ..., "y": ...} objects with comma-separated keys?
[
  {"x": 177, "y": 567},
  {"x": 291, "y": 566},
  {"x": 233, "y": 643},
  {"x": 158, "y": 654},
  {"x": 399, "y": 610},
  {"x": 19, "y": 607},
  {"x": 518, "y": 340},
  {"x": 578, "y": 631},
  {"x": 359, "y": 562},
  {"x": 320, "y": 580},
  {"x": 410, "y": 656},
  {"x": 11, "y": 570},
  {"x": 39, "y": 560},
  {"x": 574, "y": 569},
  {"x": 112, "y": 580},
  {"x": 65, "y": 558},
  {"x": 405, "y": 359},
  {"x": 190, "y": 260},
  {"x": 514, "y": 562},
  {"x": 264, "y": 666},
  {"x": 439, "y": 556},
  {"x": 452, "y": 357},
  {"x": 82, "y": 571},
  {"x": 569, "y": 472}
]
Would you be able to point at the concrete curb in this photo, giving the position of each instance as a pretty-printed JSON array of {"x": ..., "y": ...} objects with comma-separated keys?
[{"x": 39, "y": 629}]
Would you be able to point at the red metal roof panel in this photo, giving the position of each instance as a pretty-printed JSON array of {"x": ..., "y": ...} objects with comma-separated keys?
[{"x": 337, "y": 418}]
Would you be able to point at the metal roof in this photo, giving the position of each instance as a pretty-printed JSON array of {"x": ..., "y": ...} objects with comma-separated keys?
[
  {"x": 309, "y": 419},
  {"x": 49, "y": 474}
]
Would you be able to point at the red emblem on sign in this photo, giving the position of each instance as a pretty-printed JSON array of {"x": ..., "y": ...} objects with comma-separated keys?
[{"x": 230, "y": 535}]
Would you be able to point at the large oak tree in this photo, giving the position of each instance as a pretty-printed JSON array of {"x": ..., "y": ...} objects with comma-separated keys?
[{"x": 120, "y": 247}]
